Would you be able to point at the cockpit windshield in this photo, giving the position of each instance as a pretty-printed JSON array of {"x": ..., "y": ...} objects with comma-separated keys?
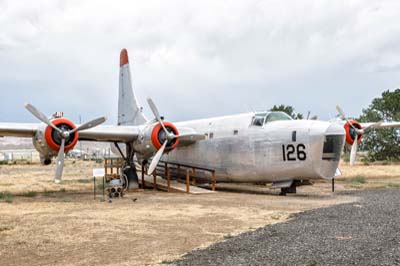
[
  {"x": 260, "y": 119},
  {"x": 277, "y": 116}
]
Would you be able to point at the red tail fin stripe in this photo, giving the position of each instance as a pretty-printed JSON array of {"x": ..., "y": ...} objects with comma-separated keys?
[{"x": 123, "y": 59}]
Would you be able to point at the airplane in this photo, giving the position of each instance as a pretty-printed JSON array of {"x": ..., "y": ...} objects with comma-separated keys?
[{"x": 254, "y": 147}]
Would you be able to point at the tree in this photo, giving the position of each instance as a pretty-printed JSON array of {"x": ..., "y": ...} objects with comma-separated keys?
[
  {"x": 383, "y": 144},
  {"x": 287, "y": 109}
]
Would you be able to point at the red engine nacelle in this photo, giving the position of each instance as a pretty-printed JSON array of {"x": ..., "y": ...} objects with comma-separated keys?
[
  {"x": 158, "y": 136},
  {"x": 350, "y": 132},
  {"x": 53, "y": 138}
]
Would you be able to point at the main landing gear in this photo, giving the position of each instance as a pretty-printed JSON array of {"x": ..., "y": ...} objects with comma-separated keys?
[
  {"x": 290, "y": 187},
  {"x": 286, "y": 190},
  {"x": 129, "y": 168}
]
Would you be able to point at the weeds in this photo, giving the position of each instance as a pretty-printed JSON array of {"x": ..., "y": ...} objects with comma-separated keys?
[
  {"x": 393, "y": 185},
  {"x": 67, "y": 200},
  {"x": 6, "y": 196},
  {"x": 29, "y": 194},
  {"x": 358, "y": 180}
]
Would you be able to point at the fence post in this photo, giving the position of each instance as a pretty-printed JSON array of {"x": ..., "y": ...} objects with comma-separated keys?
[{"x": 187, "y": 180}]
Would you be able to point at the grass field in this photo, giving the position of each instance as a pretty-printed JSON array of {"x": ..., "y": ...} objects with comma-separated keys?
[{"x": 42, "y": 223}]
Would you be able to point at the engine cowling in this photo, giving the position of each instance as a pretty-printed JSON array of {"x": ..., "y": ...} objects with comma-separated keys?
[
  {"x": 152, "y": 137},
  {"x": 159, "y": 136},
  {"x": 53, "y": 137},
  {"x": 48, "y": 142},
  {"x": 351, "y": 133}
]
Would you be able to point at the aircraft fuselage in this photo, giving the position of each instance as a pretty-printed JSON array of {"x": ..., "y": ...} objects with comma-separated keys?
[{"x": 276, "y": 151}]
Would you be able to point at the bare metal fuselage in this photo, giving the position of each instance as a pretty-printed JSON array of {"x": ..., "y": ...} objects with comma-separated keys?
[{"x": 240, "y": 152}]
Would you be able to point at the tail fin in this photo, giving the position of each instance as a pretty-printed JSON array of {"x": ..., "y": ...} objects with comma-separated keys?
[{"x": 129, "y": 111}]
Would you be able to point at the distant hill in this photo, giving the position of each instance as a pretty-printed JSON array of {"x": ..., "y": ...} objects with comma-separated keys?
[{"x": 12, "y": 143}]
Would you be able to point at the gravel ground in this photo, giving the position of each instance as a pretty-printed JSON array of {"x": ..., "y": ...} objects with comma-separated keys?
[{"x": 362, "y": 233}]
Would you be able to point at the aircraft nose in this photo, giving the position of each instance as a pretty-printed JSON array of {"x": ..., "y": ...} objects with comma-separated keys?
[{"x": 333, "y": 143}]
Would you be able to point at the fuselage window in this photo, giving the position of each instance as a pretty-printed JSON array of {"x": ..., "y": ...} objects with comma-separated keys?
[{"x": 235, "y": 132}]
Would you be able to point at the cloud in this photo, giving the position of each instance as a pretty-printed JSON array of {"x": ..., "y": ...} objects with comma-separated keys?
[{"x": 197, "y": 58}]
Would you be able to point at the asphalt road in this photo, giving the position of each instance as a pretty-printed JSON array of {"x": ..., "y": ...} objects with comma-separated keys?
[{"x": 362, "y": 233}]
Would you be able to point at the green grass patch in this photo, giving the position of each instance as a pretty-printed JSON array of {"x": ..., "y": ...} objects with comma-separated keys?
[
  {"x": 393, "y": 185},
  {"x": 3, "y": 162},
  {"x": 29, "y": 194},
  {"x": 358, "y": 180},
  {"x": 67, "y": 200},
  {"x": 49, "y": 193},
  {"x": 6, "y": 197}
]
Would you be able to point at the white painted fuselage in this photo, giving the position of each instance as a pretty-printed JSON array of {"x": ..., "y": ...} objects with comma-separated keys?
[{"x": 273, "y": 152}]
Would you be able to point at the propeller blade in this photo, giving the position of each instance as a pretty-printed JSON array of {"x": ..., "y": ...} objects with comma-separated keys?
[
  {"x": 370, "y": 127},
  {"x": 39, "y": 115},
  {"x": 154, "y": 109},
  {"x": 343, "y": 115},
  {"x": 90, "y": 124},
  {"x": 156, "y": 158},
  {"x": 353, "y": 152},
  {"x": 60, "y": 162}
]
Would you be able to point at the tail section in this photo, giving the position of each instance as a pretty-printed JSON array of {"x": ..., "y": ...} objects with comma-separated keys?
[{"x": 129, "y": 111}]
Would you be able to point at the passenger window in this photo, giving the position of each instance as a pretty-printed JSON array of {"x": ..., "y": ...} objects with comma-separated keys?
[{"x": 235, "y": 132}]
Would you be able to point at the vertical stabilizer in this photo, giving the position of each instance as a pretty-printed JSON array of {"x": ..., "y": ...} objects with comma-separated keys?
[{"x": 129, "y": 111}]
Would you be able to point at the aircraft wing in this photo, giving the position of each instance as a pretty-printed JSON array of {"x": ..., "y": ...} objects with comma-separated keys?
[
  {"x": 382, "y": 125},
  {"x": 18, "y": 130},
  {"x": 110, "y": 134},
  {"x": 99, "y": 133},
  {"x": 188, "y": 136}
]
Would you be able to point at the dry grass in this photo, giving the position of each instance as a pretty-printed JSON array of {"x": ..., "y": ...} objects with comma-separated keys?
[
  {"x": 49, "y": 224},
  {"x": 370, "y": 176}
]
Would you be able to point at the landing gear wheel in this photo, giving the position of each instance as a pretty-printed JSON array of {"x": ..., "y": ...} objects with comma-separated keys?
[{"x": 124, "y": 182}]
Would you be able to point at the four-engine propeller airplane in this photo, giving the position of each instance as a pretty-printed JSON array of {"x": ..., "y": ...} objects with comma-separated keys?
[{"x": 249, "y": 147}]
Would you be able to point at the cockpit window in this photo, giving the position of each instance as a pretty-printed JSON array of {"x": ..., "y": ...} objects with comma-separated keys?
[
  {"x": 277, "y": 116},
  {"x": 258, "y": 119},
  {"x": 262, "y": 118}
]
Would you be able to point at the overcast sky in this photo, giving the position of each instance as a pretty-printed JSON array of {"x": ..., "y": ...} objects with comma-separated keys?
[{"x": 197, "y": 58}]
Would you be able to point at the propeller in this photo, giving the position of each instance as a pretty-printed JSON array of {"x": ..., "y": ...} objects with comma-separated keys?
[
  {"x": 169, "y": 136},
  {"x": 358, "y": 133},
  {"x": 64, "y": 135}
]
